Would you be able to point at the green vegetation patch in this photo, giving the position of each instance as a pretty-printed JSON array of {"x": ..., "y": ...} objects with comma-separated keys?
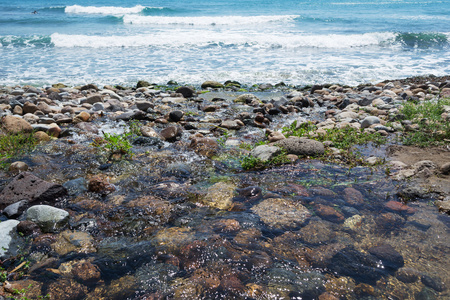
[
  {"x": 16, "y": 145},
  {"x": 432, "y": 129}
]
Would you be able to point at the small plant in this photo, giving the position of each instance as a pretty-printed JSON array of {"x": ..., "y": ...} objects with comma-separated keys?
[
  {"x": 115, "y": 144},
  {"x": 250, "y": 162},
  {"x": 222, "y": 140},
  {"x": 134, "y": 128},
  {"x": 14, "y": 145}
]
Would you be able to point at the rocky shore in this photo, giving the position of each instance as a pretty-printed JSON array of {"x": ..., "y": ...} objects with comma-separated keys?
[{"x": 157, "y": 192}]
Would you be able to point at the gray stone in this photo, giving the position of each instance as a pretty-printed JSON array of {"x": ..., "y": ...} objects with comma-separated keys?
[
  {"x": 76, "y": 186},
  {"x": 265, "y": 152},
  {"x": 232, "y": 124},
  {"x": 369, "y": 121},
  {"x": 301, "y": 146},
  {"x": 186, "y": 91},
  {"x": 144, "y": 105},
  {"x": 48, "y": 218},
  {"x": 15, "y": 210},
  {"x": 9, "y": 239},
  {"x": 92, "y": 99}
]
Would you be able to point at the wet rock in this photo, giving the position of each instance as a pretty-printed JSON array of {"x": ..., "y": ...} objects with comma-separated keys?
[
  {"x": 100, "y": 184},
  {"x": 232, "y": 124},
  {"x": 83, "y": 271},
  {"x": 444, "y": 205},
  {"x": 132, "y": 115},
  {"x": 89, "y": 86},
  {"x": 159, "y": 209},
  {"x": 426, "y": 294},
  {"x": 434, "y": 283},
  {"x": 265, "y": 152},
  {"x": 316, "y": 233},
  {"x": 391, "y": 259},
  {"x": 28, "y": 228},
  {"x": 352, "y": 263},
  {"x": 171, "y": 133},
  {"x": 212, "y": 84},
  {"x": 176, "y": 115},
  {"x": 87, "y": 127},
  {"x": 149, "y": 132},
  {"x": 186, "y": 91},
  {"x": 32, "y": 289},
  {"x": 247, "y": 99},
  {"x": 248, "y": 236},
  {"x": 399, "y": 207},
  {"x": 66, "y": 289},
  {"x": 301, "y": 146},
  {"x": 9, "y": 239},
  {"x": 354, "y": 222},
  {"x": 328, "y": 213},
  {"x": 76, "y": 186},
  {"x": 204, "y": 146},
  {"x": 281, "y": 213},
  {"x": 226, "y": 226},
  {"x": 251, "y": 193},
  {"x": 364, "y": 289},
  {"x": 48, "y": 218},
  {"x": 407, "y": 275},
  {"x": 353, "y": 197},
  {"x": 26, "y": 186},
  {"x": 74, "y": 241},
  {"x": 173, "y": 237},
  {"x": 147, "y": 141},
  {"x": 15, "y": 125},
  {"x": 220, "y": 195},
  {"x": 16, "y": 209},
  {"x": 17, "y": 167},
  {"x": 157, "y": 276},
  {"x": 389, "y": 221}
]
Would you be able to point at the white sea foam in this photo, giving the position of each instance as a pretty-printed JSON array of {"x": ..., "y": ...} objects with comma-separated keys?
[
  {"x": 202, "y": 38},
  {"x": 104, "y": 10},
  {"x": 203, "y": 21}
]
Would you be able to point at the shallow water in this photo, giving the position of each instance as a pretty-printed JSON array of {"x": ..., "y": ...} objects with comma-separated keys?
[{"x": 157, "y": 236}]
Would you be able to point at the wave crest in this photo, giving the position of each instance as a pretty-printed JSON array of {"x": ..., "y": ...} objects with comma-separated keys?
[{"x": 105, "y": 10}]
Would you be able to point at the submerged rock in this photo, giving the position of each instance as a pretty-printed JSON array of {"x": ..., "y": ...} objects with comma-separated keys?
[
  {"x": 280, "y": 213},
  {"x": 220, "y": 195}
]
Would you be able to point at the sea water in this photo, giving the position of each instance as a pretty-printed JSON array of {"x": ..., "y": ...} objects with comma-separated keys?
[{"x": 266, "y": 41}]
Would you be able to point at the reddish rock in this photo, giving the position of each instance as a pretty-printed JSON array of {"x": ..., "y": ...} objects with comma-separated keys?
[
  {"x": 26, "y": 186},
  {"x": 66, "y": 289},
  {"x": 226, "y": 225},
  {"x": 232, "y": 283},
  {"x": 328, "y": 213},
  {"x": 399, "y": 207},
  {"x": 28, "y": 228},
  {"x": 353, "y": 196},
  {"x": 204, "y": 146},
  {"x": 86, "y": 272},
  {"x": 100, "y": 184},
  {"x": 171, "y": 133}
]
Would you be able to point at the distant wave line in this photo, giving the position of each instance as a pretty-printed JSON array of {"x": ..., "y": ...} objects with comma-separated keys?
[{"x": 107, "y": 10}]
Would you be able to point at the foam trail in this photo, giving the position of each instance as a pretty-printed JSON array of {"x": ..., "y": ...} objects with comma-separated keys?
[
  {"x": 225, "y": 20},
  {"x": 179, "y": 38},
  {"x": 103, "y": 10}
]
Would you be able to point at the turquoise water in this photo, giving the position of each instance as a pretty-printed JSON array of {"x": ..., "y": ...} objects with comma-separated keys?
[{"x": 297, "y": 42}]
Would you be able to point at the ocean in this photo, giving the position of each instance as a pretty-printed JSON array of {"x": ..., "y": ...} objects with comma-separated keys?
[{"x": 295, "y": 42}]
